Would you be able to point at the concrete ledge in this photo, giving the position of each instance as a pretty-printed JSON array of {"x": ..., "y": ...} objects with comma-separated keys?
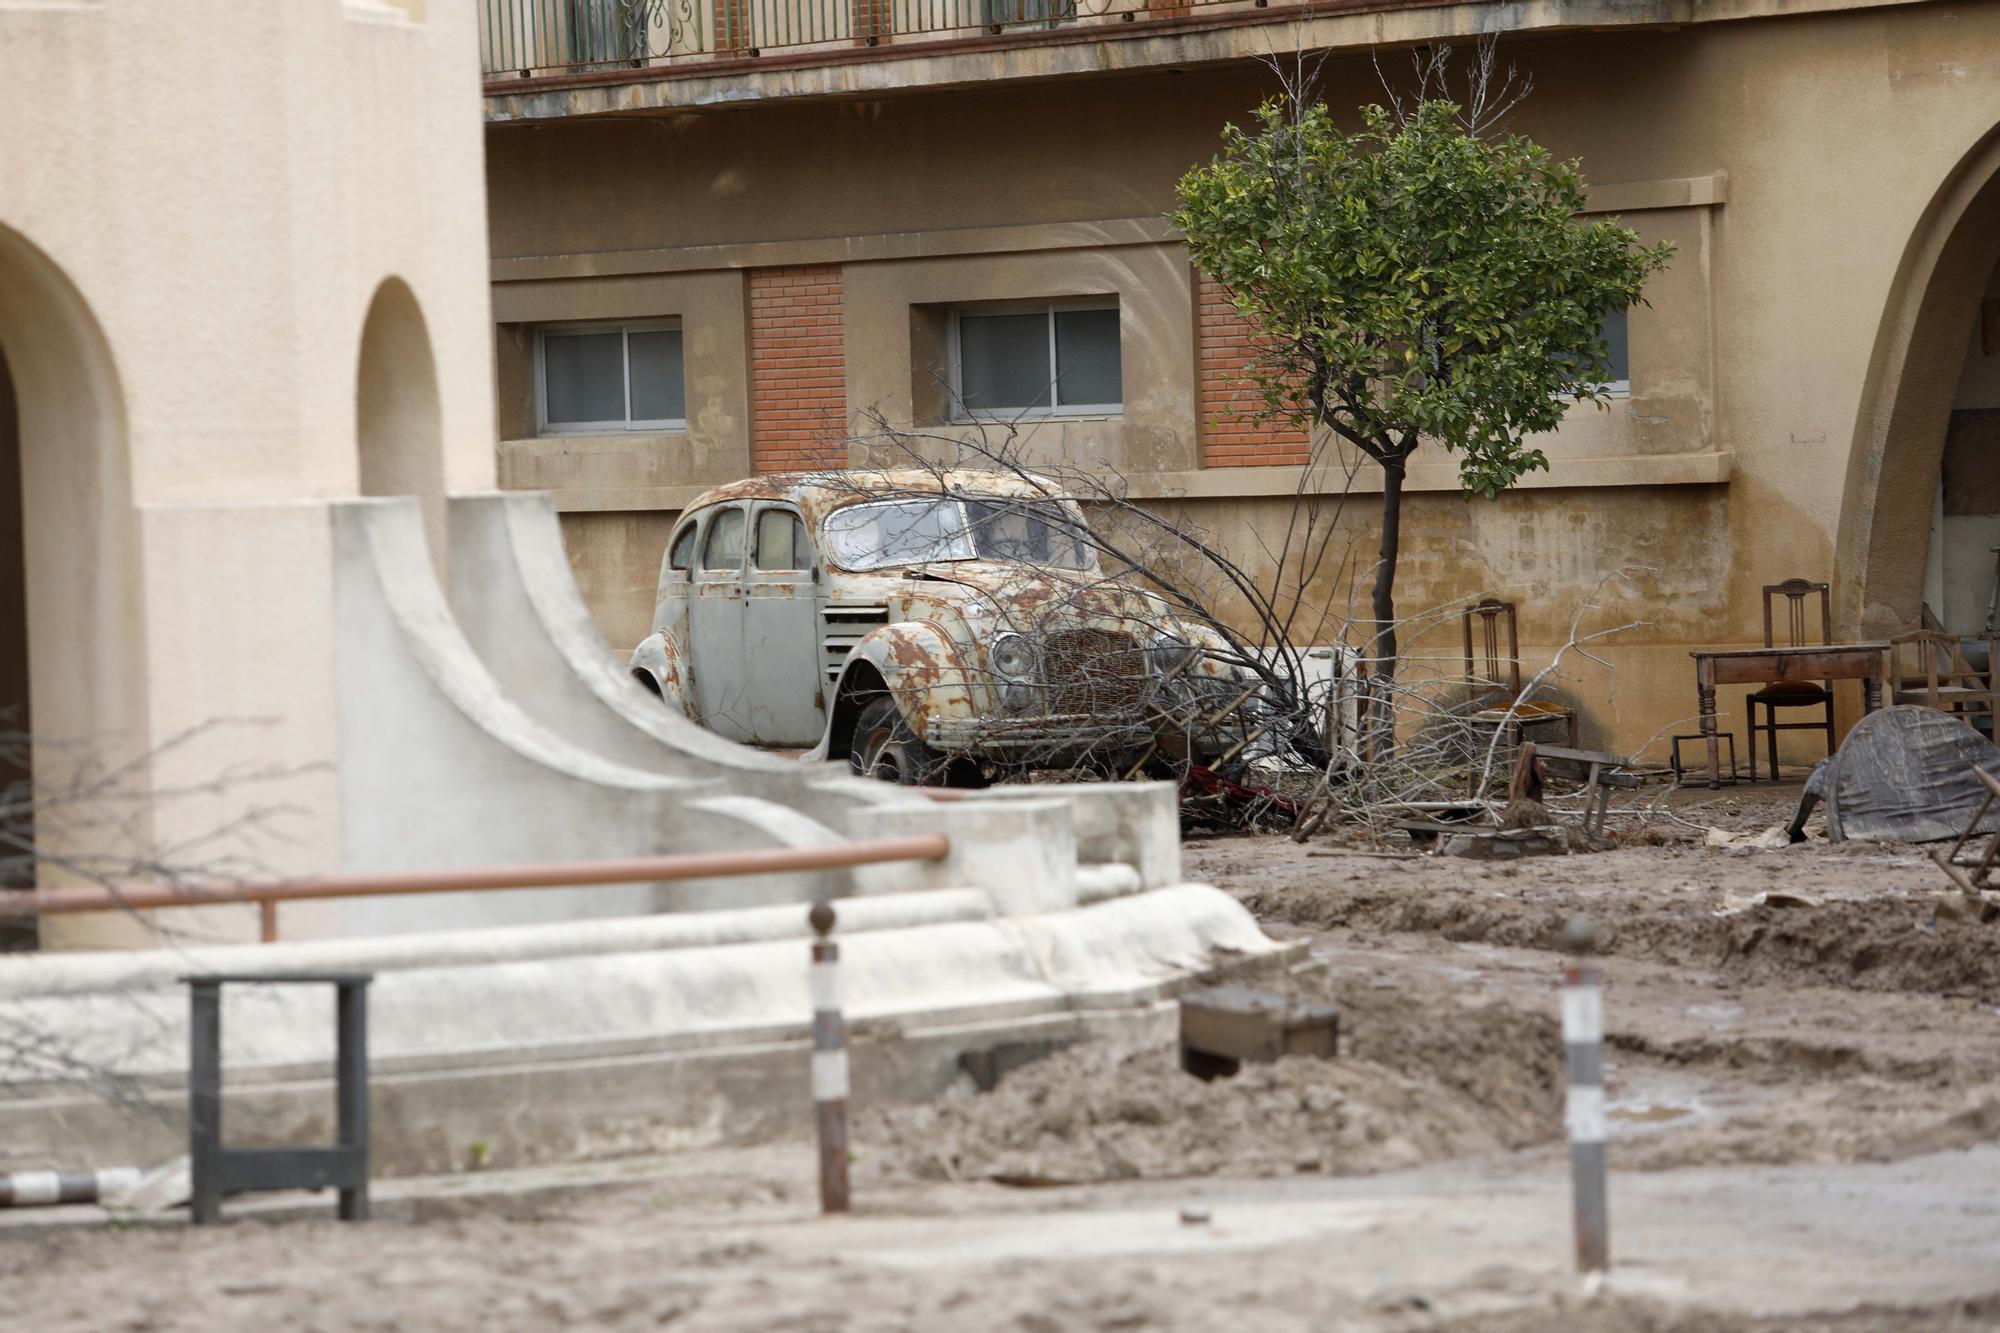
[
  {"x": 1707, "y": 468},
  {"x": 631, "y": 1049}
]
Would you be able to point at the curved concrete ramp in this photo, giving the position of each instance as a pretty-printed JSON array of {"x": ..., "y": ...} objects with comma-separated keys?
[
  {"x": 612, "y": 1037},
  {"x": 439, "y": 767},
  {"x": 517, "y": 601}
]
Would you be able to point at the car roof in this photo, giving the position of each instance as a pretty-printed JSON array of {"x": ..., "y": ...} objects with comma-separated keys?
[{"x": 818, "y": 494}]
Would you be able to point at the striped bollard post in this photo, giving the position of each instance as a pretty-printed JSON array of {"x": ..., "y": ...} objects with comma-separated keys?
[
  {"x": 33, "y": 1189},
  {"x": 829, "y": 1063},
  {"x": 1583, "y": 1109}
]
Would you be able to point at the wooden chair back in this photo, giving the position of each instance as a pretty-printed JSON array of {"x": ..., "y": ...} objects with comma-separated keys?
[
  {"x": 1485, "y": 667},
  {"x": 1941, "y": 665},
  {"x": 1796, "y": 593}
]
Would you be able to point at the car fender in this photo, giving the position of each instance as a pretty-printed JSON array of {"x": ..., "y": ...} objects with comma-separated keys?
[
  {"x": 925, "y": 672},
  {"x": 658, "y": 665}
]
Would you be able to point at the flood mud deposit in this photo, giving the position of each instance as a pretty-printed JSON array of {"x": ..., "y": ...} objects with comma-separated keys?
[
  {"x": 1802, "y": 1069},
  {"x": 1406, "y": 1089}
]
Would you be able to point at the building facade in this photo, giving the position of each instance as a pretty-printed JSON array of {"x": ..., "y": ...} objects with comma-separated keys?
[{"x": 723, "y": 238}]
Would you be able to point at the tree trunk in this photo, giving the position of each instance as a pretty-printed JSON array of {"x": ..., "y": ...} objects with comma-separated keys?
[{"x": 1382, "y": 651}]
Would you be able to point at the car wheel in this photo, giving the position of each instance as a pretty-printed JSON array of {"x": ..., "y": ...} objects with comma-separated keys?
[{"x": 886, "y": 748}]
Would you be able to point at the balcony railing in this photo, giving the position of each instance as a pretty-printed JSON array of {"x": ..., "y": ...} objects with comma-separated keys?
[{"x": 540, "y": 38}]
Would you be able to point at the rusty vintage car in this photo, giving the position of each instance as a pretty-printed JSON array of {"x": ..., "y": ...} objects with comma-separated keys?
[{"x": 941, "y": 627}]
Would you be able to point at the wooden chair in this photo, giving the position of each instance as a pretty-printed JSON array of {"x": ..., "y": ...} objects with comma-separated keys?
[
  {"x": 1798, "y": 693},
  {"x": 1942, "y": 679},
  {"x": 1496, "y": 679}
]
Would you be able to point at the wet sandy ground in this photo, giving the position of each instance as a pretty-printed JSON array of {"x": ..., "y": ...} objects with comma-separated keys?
[{"x": 1805, "y": 1103}]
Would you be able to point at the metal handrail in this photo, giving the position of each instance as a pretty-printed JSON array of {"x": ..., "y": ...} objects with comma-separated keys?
[
  {"x": 629, "y": 870},
  {"x": 530, "y": 38}
]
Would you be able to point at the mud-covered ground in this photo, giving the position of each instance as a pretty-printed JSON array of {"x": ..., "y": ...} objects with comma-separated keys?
[{"x": 1804, "y": 1081}]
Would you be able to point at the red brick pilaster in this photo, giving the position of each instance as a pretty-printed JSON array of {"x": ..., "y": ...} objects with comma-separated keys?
[
  {"x": 798, "y": 369},
  {"x": 1225, "y": 343}
]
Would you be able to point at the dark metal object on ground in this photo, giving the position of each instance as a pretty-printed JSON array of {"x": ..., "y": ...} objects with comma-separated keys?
[
  {"x": 1223, "y": 1026},
  {"x": 1583, "y": 1107},
  {"x": 1777, "y": 666},
  {"x": 1792, "y": 693},
  {"x": 829, "y": 1062},
  {"x": 1680, "y": 769},
  {"x": 216, "y": 1170},
  {"x": 1903, "y": 774}
]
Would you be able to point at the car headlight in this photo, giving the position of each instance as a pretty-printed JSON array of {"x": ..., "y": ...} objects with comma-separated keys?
[
  {"x": 1015, "y": 696},
  {"x": 1012, "y": 656},
  {"x": 1172, "y": 653}
]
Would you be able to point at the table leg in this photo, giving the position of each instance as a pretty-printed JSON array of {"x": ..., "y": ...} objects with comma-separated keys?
[
  {"x": 1871, "y": 694},
  {"x": 1707, "y": 694}
]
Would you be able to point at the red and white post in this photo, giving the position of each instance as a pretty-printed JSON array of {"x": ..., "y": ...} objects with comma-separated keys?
[
  {"x": 1583, "y": 1109},
  {"x": 829, "y": 1063}
]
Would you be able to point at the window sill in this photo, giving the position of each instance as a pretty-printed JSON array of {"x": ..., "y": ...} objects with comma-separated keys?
[
  {"x": 1709, "y": 468},
  {"x": 1037, "y": 418},
  {"x": 651, "y": 428}
]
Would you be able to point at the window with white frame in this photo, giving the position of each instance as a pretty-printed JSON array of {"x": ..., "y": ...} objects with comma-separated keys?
[
  {"x": 1044, "y": 357},
  {"x": 1619, "y": 353},
  {"x": 606, "y": 377}
]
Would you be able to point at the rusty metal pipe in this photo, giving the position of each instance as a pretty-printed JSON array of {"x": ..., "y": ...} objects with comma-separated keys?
[{"x": 629, "y": 870}]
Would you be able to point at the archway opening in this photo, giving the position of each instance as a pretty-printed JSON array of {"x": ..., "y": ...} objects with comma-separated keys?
[
  {"x": 1930, "y": 423},
  {"x": 399, "y": 431},
  {"x": 72, "y": 634},
  {"x": 17, "y": 771},
  {"x": 1962, "y": 570}
]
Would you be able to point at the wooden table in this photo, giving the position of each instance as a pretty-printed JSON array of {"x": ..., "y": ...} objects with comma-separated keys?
[{"x": 1865, "y": 662}]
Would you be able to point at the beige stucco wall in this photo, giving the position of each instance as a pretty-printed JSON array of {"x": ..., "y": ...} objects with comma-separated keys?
[
  {"x": 198, "y": 206},
  {"x": 1791, "y": 160}
]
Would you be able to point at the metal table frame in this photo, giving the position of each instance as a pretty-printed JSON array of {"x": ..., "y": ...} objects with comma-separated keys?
[{"x": 217, "y": 1170}]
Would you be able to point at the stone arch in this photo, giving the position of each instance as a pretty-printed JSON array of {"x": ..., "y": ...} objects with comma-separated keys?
[
  {"x": 1906, "y": 401},
  {"x": 399, "y": 432},
  {"x": 72, "y": 636}
]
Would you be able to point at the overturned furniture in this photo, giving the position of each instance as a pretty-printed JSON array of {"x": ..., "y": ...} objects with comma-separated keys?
[
  {"x": 1973, "y": 873},
  {"x": 1598, "y": 772},
  {"x": 1905, "y": 773}
]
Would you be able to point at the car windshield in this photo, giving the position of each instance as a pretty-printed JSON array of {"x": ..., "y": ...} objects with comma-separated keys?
[{"x": 882, "y": 534}]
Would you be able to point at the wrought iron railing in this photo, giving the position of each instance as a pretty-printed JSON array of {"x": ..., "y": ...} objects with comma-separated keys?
[{"x": 529, "y": 38}]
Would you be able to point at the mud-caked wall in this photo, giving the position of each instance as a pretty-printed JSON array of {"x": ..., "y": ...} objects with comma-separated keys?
[{"x": 1789, "y": 160}]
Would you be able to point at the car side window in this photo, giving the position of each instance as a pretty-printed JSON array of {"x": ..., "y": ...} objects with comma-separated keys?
[
  {"x": 781, "y": 541},
  {"x": 724, "y": 548},
  {"x": 680, "y": 555}
]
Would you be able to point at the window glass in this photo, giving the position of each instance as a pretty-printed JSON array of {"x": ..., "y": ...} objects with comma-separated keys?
[
  {"x": 681, "y": 554},
  {"x": 920, "y": 531},
  {"x": 1087, "y": 369},
  {"x": 1003, "y": 361},
  {"x": 585, "y": 376},
  {"x": 896, "y": 532},
  {"x": 657, "y": 390},
  {"x": 1038, "y": 532},
  {"x": 781, "y": 541},
  {"x": 1620, "y": 356},
  {"x": 724, "y": 548},
  {"x": 615, "y": 377}
]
